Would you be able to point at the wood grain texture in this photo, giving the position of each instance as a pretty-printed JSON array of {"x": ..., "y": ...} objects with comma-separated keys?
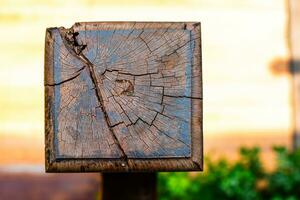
[{"x": 123, "y": 96}]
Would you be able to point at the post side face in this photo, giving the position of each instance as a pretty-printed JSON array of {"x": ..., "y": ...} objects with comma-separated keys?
[{"x": 123, "y": 97}]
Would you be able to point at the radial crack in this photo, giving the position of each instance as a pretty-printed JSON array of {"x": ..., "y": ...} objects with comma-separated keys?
[
  {"x": 68, "y": 79},
  {"x": 180, "y": 96},
  {"x": 69, "y": 39}
]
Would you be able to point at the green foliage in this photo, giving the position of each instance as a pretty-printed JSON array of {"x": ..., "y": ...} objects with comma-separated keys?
[
  {"x": 244, "y": 179},
  {"x": 284, "y": 183}
]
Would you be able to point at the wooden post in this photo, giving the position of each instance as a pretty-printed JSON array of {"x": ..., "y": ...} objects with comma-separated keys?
[
  {"x": 129, "y": 186},
  {"x": 124, "y": 97},
  {"x": 294, "y": 48}
]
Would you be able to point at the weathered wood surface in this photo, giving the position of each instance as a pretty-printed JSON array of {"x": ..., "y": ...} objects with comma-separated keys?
[
  {"x": 123, "y": 97},
  {"x": 294, "y": 47}
]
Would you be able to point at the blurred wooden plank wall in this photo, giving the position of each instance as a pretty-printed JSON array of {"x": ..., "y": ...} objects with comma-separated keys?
[{"x": 294, "y": 48}]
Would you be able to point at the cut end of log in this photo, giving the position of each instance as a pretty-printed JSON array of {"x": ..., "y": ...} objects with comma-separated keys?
[{"x": 124, "y": 91}]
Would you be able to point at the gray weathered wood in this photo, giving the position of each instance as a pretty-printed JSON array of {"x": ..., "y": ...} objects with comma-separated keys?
[
  {"x": 294, "y": 46},
  {"x": 123, "y": 96}
]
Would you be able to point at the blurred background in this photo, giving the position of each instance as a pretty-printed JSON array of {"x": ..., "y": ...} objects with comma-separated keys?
[{"x": 246, "y": 80}]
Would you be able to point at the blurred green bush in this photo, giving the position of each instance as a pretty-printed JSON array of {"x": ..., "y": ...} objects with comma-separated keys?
[{"x": 244, "y": 179}]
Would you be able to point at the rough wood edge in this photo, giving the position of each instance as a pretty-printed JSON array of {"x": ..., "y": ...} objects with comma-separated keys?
[
  {"x": 81, "y": 26},
  {"x": 49, "y": 99},
  {"x": 194, "y": 163},
  {"x": 197, "y": 104}
]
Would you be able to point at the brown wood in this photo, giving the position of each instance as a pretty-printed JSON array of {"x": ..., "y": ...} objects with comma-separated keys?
[
  {"x": 129, "y": 186},
  {"x": 123, "y": 96},
  {"x": 294, "y": 47}
]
